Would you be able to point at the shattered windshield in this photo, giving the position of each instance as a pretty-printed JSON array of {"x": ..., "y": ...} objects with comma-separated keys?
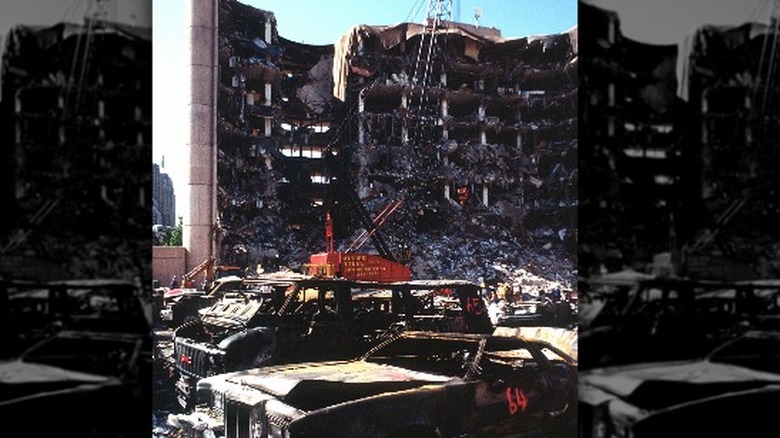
[{"x": 439, "y": 356}]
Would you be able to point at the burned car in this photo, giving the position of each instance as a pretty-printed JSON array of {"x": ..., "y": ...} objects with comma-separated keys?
[
  {"x": 416, "y": 384},
  {"x": 182, "y": 304},
  {"x": 734, "y": 391},
  {"x": 653, "y": 319},
  {"x": 73, "y": 381},
  {"x": 34, "y": 310},
  {"x": 284, "y": 319}
]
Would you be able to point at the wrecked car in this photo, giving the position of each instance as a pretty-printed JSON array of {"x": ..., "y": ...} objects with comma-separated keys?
[
  {"x": 734, "y": 391},
  {"x": 35, "y": 310},
  {"x": 73, "y": 381},
  {"x": 300, "y": 318},
  {"x": 182, "y": 304},
  {"x": 416, "y": 384},
  {"x": 546, "y": 312},
  {"x": 666, "y": 318}
]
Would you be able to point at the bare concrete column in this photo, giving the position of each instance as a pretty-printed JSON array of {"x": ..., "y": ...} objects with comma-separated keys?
[
  {"x": 361, "y": 122},
  {"x": 269, "y": 94},
  {"x": 198, "y": 234},
  {"x": 404, "y": 125},
  {"x": 268, "y": 27}
]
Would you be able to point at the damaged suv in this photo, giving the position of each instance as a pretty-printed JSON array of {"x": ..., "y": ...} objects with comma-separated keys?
[{"x": 416, "y": 384}]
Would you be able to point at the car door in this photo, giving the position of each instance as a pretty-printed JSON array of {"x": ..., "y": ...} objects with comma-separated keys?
[{"x": 511, "y": 391}]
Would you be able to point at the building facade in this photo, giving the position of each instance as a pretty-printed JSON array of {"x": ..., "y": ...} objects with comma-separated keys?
[
  {"x": 479, "y": 138},
  {"x": 77, "y": 123}
]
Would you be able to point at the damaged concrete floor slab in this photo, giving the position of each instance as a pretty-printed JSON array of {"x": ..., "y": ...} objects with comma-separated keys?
[{"x": 483, "y": 152}]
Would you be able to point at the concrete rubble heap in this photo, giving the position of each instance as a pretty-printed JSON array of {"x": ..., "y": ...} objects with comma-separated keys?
[
  {"x": 77, "y": 145},
  {"x": 483, "y": 152}
]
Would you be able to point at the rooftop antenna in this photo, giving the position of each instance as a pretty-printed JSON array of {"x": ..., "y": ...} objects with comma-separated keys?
[{"x": 477, "y": 15}]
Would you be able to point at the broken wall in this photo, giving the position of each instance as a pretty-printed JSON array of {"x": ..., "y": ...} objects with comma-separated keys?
[
  {"x": 735, "y": 98},
  {"x": 274, "y": 111},
  {"x": 633, "y": 160},
  {"x": 499, "y": 119},
  {"x": 496, "y": 120},
  {"x": 79, "y": 146},
  {"x": 661, "y": 174}
]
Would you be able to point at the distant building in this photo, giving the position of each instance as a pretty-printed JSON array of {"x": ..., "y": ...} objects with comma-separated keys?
[
  {"x": 156, "y": 215},
  {"x": 164, "y": 198}
]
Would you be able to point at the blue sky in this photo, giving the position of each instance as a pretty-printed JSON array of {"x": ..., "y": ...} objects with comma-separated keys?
[
  {"x": 314, "y": 22},
  {"x": 515, "y": 18},
  {"x": 323, "y": 22},
  {"x": 47, "y": 12},
  {"x": 668, "y": 21}
]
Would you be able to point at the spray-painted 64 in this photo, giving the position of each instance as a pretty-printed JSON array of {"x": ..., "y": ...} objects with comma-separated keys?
[{"x": 415, "y": 384}]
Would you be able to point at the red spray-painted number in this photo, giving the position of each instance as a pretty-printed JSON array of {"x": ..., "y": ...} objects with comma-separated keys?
[
  {"x": 473, "y": 306},
  {"x": 517, "y": 400}
]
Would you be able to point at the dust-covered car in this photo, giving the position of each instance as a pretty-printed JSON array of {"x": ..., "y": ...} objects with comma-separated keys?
[
  {"x": 80, "y": 383},
  {"x": 417, "y": 384},
  {"x": 734, "y": 391}
]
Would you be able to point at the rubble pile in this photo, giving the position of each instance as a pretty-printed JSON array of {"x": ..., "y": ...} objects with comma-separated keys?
[
  {"x": 483, "y": 150},
  {"x": 455, "y": 257}
]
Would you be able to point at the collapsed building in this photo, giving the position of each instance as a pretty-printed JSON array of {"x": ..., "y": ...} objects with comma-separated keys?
[
  {"x": 633, "y": 180},
  {"x": 676, "y": 151},
  {"x": 733, "y": 93},
  {"x": 76, "y": 105},
  {"x": 475, "y": 134}
]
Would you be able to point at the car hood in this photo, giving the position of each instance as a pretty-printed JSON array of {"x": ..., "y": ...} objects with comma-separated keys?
[
  {"x": 311, "y": 386},
  {"x": 663, "y": 384},
  {"x": 20, "y": 379}
]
